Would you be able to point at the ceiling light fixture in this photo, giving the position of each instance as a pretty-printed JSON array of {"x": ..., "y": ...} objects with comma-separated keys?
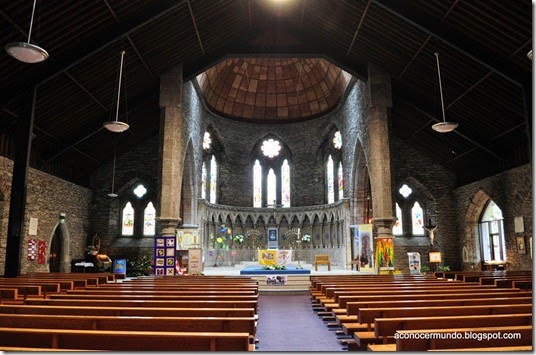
[
  {"x": 25, "y": 51},
  {"x": 442, "y": 127},
  {"x": 117, "y": 126},
  {"x": 113, "y": 194}
]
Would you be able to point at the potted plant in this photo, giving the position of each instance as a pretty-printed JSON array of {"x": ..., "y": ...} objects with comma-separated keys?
[{"x": 425, "y": 269}]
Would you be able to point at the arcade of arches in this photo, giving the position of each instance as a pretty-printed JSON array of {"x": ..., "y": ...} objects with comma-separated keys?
[{"x": 312, "y": 153}]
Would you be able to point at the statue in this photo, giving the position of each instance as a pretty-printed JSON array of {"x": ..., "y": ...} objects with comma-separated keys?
[{"x": 431, "y": 231}]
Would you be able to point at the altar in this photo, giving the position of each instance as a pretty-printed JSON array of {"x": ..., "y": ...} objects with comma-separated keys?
[{"x": 274, "y": 257}]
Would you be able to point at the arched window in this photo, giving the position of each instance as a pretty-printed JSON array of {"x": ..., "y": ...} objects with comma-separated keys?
[
  {"x": 397, "y": 229},
  {"x": 334, "y": 173},
  {"x": 341, "y": 181},
  {"x": 257, "y": 184},
  {"x": 285, "y": 184},
  {"x": 410, "y": 212},
  {"x": 329, "y": 177},
  {"x": 149, "y": 220},
  {"x": 272, "y": 199},
  {"x": 128, "y": 220},
  {"x": 492, "y": 234},
  {"x": 209, "y": 168},
  {"x": 417, "y": 219},
  {"x": 204, "y": 181},
  {"x": 213, "y": 179},
  {"x": 138, "y": 216},
  {"x": 271, "y": 174}
]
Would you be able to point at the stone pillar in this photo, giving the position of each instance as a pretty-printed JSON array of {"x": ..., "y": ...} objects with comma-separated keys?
[
  {"x": 171, "y": 150},
  {"x": 379, "y": 153}
]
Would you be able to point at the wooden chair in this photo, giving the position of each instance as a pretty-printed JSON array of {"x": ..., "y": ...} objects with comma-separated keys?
[{"x": 322, "y": 259}]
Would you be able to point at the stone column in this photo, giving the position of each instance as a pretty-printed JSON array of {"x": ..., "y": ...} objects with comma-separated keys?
[
  {"x": 379, "y": 153},
  {"x": 171, "y": 150}
]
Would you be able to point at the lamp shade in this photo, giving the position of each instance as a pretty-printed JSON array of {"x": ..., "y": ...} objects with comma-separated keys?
[
  {"x": 444, "y": 127},
  {"x": 116, "y": 126},
  {"x": 26, "y": 52}
]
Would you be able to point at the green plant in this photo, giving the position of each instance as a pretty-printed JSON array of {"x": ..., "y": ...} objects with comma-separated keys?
[
  {"x": 425, "y": 268},
  {"x": 274, "y": 267},
  {"x": 239, "y": 238},
  {"x": 444, "y": 268}
]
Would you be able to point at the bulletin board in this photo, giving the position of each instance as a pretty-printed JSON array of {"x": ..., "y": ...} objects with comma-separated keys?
[{"x": 164, "y": 255}]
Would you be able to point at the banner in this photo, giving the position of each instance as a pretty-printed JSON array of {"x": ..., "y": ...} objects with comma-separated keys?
[
  {"x": 274, "y": 257},
  {"x": 385, "y": 253},
  {"x": 414, "y": 260},
  {"x": 195, "y": 263},
  {"x": 41, "y": 252},
  {"x": 164, "y": 255},
  {"x": 32, "y": 249},
  {"x": 366, "y": 251}
]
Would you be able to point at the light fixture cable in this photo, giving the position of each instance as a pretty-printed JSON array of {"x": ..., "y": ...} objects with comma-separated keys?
[
  {"x": 442, "y": 127},
  {"x": 113, "y": 194},
  {"x": 118, "y": 126}
]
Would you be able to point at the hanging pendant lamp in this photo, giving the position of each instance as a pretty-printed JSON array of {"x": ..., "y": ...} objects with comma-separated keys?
[
  {"x": 25, "y": 51},
  {"x": 113, "y": 194},
  {"x": 442, "y": 127},
  {"x": 117, "y": 126}
]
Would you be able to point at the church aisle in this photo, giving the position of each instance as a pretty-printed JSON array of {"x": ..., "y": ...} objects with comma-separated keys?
[{"x": 288, "y": 323}]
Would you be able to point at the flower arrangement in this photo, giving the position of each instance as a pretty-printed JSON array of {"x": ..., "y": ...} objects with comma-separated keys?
[
  {"x": 306, "y": 238},
  {"x": 220, "y": 242},
  {"x": 274, "y": 267},
  {"x": 239, "y": 238}
]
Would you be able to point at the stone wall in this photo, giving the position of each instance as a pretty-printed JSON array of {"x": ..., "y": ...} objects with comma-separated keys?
[
  {"x": 512, "y": 191},
  {"x": 435, "y": 185},
  {"x": 47, "y": 196}
]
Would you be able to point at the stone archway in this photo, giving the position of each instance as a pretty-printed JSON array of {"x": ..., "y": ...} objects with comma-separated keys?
[
  {"x": 471, "y": 236},
  {"x": 59, "y": 241}
]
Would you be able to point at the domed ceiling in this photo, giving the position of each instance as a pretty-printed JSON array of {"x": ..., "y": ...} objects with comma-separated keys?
[{"x": 273, "y": 90}]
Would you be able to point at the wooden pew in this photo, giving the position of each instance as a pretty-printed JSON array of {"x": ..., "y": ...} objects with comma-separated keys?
[
  {"x": 141, "y": 303},
  {"x": 8, "y": 293},
  {"x": 158, "y": 292},
  {"x": 368, "y": 315},
  {"x": 385, "y": 328},
  {"x": 343, "y": 300},
  {"x": 365, "y": 320},
  {"x": 352, "y": 308},
  {"x": 128, "y": 311},
  {"x": 443, "y": 338},
  {"x": 136, "y": 323},
  {"x": 157, "y": 297},
  {"x": 124, "y": 340}
]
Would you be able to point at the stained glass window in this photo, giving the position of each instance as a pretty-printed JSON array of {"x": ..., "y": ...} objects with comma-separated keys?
[
  {"x": 417, "y": 219},
  {"x": 331, "y": 188},
  {"x": 341, "y": 181},
  {"x": 149, "y": 220},
  {"x": 257, "y": 184},
  {"x": 140, "y": 191},
  {"x": 285, "y": 184},
  {"x": 204, "y": 181},
  {"x": 213, "y": 179},
  {"x": 397, "y": 229},
  {"x": 206, "y": 141},
  {"x": 337, "y": 140},
  {"x": 270, "y": 148},
  {"x": 405, "y": 191},
  {"x": 128, "y": 220},
  {"x": 271, "y": 189}
]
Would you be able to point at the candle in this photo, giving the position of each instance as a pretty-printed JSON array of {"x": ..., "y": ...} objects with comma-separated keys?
[{"x": 299, "y": 233}]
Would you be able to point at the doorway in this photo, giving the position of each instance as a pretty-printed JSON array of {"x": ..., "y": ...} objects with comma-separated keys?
[{"x": 56, "y": 256}]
